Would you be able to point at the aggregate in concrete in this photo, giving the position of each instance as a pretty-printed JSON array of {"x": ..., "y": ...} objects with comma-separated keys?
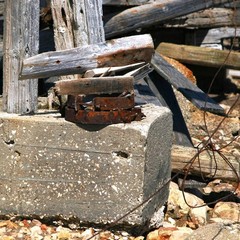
[{"x": 96, "y": 173}]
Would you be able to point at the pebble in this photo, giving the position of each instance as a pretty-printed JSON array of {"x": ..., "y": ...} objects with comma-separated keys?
[
  {"x": 227, "y": 210},
  {"x": 180, "y": 222}
]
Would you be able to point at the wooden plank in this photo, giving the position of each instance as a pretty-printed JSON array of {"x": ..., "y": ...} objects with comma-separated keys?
[
  {"x": 154, "y": 13},
  {"x": 200, "y": 56},
  {"x": 164, "y": 92},
  {"x": 182, "y": 155},
  {"x": 21, "y": 40},
  {"x": 209, "y": 18},
  {"x": 118, "y": 52},
  {"x": 186, "y": 87},
  {"x": 100, "y": 85},
  {"x": 63, "y": 27},
  {"x": 88, "y": 24},
  {"x": 62, "y": 16}
]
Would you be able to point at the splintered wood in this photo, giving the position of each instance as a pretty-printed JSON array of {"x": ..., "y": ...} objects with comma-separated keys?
[{"x": 21, "y": 40}]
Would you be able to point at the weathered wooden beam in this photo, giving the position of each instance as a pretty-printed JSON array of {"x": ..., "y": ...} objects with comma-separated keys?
[
  {"x": 209, "y": 18},
  {"x": 88, "y": 24},
  {"x": 186, "y": 87},
  {"x": 182, "y": 155},
  {"x": 118, "y": 52},
  {"x": 62, "y": 24},
  {"x": 62, "y": 16},
  {"x": 163, "y": 90},
  {"x": 21, "y": 40},
  {"x": 100, "y": 85},
  {"x": 204, "y": 37},
  {"x": 200, "y": 56},
  {"x": 158, "y": 12}
]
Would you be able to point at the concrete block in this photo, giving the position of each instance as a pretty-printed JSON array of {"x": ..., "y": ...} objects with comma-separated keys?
[{"x": 96, "y": 173}]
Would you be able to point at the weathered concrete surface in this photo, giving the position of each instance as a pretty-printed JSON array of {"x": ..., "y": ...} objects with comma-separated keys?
[{"x": 96, "y": 173}]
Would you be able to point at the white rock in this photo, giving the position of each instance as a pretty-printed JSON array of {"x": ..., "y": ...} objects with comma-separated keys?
[{"x": 227, "y": 210}]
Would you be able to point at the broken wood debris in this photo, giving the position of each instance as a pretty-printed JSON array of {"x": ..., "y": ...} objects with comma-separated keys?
[
  {"x": 209, "y": 18},
  {"x": 110, "y": 71},
  {"x": 117, "y": 52}
]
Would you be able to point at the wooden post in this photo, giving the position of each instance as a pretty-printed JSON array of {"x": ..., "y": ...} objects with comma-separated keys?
[
  {"x": 77, "y": 24},
  {"x": 88, "y": 22},
  {"x": 21, "y": 40},
  {"x": 62, "y": 19}
]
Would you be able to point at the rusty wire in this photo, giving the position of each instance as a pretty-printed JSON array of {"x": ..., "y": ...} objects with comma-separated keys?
[{"x": 207, "y": 145}]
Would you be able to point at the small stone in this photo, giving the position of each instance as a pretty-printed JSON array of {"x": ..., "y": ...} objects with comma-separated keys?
[
  {"x": 139, "y": 238},
  {"x": 106, "y": 235},
  {"x": 2, "y": 231},
  {"x": 152, "y": 235},
  {"x": 73, "y": 226},
  {"x": 36, "y": 229},
  {"x": 207, "y": 190},
  {"x": 7, "y": 238},
  {"x": 176, "y": 200},
  {"x": 36, "y": 222},
  {"x": 199, "y": 215},
  {"x": 124, "y": 234},
  {"x": 181, "y": 234},
  {"x": 227, "y": 210},
  {"x": 87, "y": 234},
  {"x": 3, "y": 223},
  {"x": 64, "y": 235},
  {"x": 36, "y": 233},
  {"x": 161, "y": 233}
]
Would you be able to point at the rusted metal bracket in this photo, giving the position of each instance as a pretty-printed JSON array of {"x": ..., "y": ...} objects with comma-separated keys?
[
  {"x": 102, "y": 110},
  {"x": 103, "y": 99}
]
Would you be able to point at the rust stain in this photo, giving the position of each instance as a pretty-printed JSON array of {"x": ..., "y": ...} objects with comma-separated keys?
[
  {"x": 123, "y": 57},
  {"x": 102, "y": 110},
  {"x": 113, "y": 103}
]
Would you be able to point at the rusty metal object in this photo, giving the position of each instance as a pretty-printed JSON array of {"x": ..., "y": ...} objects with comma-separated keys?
[
  {"x": 102, "y": 110},
  {"x": 113, "y": 103},
  {"x": 103, "y": 117}
]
